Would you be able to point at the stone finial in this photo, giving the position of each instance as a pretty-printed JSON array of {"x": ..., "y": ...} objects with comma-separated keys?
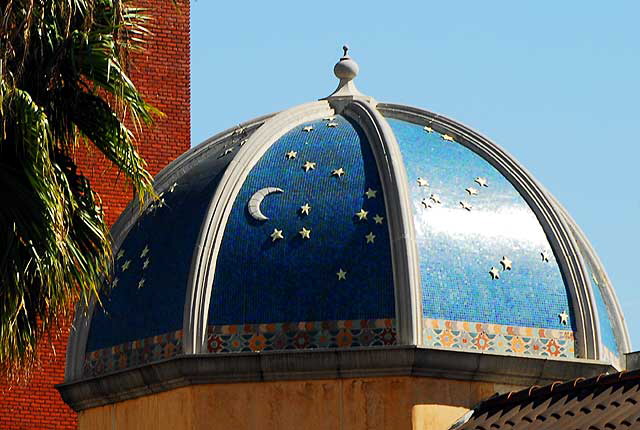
[{"x": 346, "y": 70}]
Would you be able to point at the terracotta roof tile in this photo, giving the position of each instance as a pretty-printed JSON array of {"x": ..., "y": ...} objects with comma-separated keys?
[{"x": 605, "y": 402}]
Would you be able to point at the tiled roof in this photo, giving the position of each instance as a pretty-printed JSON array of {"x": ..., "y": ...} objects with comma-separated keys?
[{"x": 606, "y": 402}]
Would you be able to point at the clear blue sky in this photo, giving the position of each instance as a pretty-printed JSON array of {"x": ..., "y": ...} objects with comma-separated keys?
[{"x": 554, "y": 83}]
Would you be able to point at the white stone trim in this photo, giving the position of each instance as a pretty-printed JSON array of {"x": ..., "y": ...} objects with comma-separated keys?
[
  {"x": 313, "y": 364},
  {"x": 404, "y": 250}
]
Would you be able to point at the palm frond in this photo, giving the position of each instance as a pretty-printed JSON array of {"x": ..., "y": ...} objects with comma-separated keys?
[{"x": 62, "y": 77}]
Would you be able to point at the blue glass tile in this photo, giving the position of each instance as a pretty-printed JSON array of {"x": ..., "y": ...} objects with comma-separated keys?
[
  {"x": 458, "y": 247},
  {"x": 258, "y": 280},
  {"x": 133, "y": 311},
  {"x": 606, "y": 329}
]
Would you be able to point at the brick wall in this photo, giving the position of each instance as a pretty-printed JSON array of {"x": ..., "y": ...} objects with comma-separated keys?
[{"x": 161, "y": 72}]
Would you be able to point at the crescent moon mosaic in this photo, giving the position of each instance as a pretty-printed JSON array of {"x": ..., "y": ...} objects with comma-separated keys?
[{"x": 253, "y": 206}]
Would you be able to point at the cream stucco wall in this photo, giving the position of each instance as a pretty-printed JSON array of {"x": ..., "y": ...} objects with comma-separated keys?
[{"x": 341, "y": 404}]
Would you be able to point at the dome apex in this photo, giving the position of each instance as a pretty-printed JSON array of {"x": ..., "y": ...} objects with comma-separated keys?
[{"x": 346, "y": 70}]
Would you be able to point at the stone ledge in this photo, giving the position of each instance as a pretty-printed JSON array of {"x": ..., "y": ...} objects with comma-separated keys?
[{"x": 185, "y": 370}]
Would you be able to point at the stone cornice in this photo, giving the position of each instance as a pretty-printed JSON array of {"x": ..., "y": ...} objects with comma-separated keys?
[{"x": 337, "y": 363}]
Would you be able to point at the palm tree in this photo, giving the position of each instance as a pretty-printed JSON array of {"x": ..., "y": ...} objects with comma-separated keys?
[{"x": 63, "y": 84}]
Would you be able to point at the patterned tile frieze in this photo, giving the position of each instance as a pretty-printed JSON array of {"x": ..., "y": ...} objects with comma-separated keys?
[
  {"x": 301, "y": 335},
  {"x": 133, "y": 353},
  {"x": 471, "y": 336},
  {"x": 246, "y": 338},
  {"x": 482, "y": 337}
]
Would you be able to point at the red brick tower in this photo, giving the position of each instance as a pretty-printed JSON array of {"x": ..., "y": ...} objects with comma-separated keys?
[{"x": 161, "y": 73}]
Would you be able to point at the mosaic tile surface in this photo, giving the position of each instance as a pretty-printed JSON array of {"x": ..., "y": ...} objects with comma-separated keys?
[
  {"x": 604, "y": 317},
  {"x": 342, "y": 270},
  {"x": 468, "y": 218},
  {"x": 301, "y": 335},
  {"x": 133, "y": 353},
  {"x": 496, "y": 338},
  {"x": 152, "y": 266}
]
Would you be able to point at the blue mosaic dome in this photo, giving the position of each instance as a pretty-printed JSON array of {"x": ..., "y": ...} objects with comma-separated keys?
[{"x": 345, "y": 223}]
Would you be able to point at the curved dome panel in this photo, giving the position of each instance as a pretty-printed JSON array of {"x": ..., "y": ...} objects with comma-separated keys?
[
  {"x": 490, "y": 281},
  {"x": 613, "y": 336},
  {"x": 317, "y": 272},
  {"x": 142, "y": 310},
  {"x": 605, "y": 304},
  {"x": 606, "y": 328}
]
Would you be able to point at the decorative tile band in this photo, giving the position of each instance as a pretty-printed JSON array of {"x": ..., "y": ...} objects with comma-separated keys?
[
  {"x": 301, "y": 335},
  {"x": 337, "y": 334},
  {"x": 133, "y": 353},
  {"x": 484, "y": 337},
  {"x": 246, "y": 337}
]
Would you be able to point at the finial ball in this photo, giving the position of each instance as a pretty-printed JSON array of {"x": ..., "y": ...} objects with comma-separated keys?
[{"x": 346, "y": 68}]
